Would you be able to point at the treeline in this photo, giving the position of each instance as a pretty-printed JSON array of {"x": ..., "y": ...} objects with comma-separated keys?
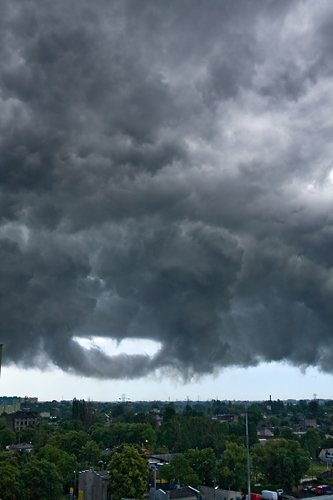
[{"x": 206, "y": 451}]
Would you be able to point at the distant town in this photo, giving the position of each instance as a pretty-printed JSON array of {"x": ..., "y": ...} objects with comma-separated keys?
[{"x": 214, "y": 450}]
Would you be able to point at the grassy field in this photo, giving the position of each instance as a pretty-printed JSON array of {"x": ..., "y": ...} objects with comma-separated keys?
[{"x": 316, "y": 468}]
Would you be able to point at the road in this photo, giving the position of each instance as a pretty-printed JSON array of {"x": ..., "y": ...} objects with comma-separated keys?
[{"x": 318, "y": 497}]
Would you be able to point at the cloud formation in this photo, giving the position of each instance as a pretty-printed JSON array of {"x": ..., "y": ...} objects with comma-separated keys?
[{"x": 166, "y": 174}]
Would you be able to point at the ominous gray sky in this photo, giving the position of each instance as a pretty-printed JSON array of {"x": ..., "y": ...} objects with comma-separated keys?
[{"x": 166, "y": 174}]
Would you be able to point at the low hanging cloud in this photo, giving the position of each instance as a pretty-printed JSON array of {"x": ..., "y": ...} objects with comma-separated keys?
[{"x": 166, "y": 174}]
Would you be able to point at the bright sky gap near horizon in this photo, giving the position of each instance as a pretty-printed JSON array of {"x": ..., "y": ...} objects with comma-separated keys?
[{"x": 166, "y": 199}]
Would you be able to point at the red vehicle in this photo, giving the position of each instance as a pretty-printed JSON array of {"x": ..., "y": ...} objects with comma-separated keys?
[
  {"x": 254, "y": 496},
  {"x": 323, "y": 489}
]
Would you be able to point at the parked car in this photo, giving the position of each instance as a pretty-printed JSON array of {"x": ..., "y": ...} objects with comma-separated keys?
[
  {"x": 323, "y": 489},
  {"x": 307, "y": 489}
]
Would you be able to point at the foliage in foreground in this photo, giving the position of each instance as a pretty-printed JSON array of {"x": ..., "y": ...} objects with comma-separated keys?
[
  {"x": 282, "y": 462},
  {"x": 128, "y": 473}
]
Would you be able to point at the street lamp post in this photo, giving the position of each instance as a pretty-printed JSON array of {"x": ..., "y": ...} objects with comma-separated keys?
[
  {"x": 75, "y": 489},
  {"x": 248, "y": 457}
]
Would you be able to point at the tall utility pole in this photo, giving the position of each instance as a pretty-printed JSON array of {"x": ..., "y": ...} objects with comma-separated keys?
[{"x": 247, "y": 456}]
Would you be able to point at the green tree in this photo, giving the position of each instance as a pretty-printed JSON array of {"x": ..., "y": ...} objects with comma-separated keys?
[
  {"x": 183, "y": 433},
  {"x": 72, "y": 441},
  {"x": 90, "y": 454},
  {"x": 284, "y": 462},
  {"x": 179, "y": 471},
  {"x": 326, "y": 442},
  {"x": 311, "y": 442},
  {"x": 64, "y": 462},
  {"x": 6, "y": 437},
  {"x": 128, "y": 473},
  {"x": 203, "y": 463},
  {"x": 231, "y": 471},
  {"x": 83, "y": 412},
  {"x": 313, "y": 409},
  {"x": 118, "y": 410},
  {"x": 42, "y": 433},
  {"x": 41, "y": 480},
  {"x": 287, "y": 433},
  {"x": 10, "y": 481},
  {"x": 257, "y": 459},
  {"x": 79, "y": 410},
  {"x": 102, "y": 435},
  {"x": 120, "y": 433},
  {"x": 169, "y": 412}
]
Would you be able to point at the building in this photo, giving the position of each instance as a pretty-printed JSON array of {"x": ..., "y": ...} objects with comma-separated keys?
[
  {"x": 187, "y": 492},
  {"x": 20, "y": 447},
  {"x": 9, "y": 404},
  {"x": 28, "y": 400},
  {"x": 209, "y": 493},
  {"x": 326, "y": 455},
  {"x": 227, "y": 417},
  {"x": 310, "y": 422},
  {"x": 265, "y": 433},
  {"x": 93, "y": 484},
  {"x": 21, "y": 420}
]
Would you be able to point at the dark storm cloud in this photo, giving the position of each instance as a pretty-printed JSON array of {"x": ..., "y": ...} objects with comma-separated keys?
[{"x": 166, "y": 174}]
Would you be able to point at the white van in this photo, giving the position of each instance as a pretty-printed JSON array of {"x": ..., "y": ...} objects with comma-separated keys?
[{"x": 269, "y": 495}]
